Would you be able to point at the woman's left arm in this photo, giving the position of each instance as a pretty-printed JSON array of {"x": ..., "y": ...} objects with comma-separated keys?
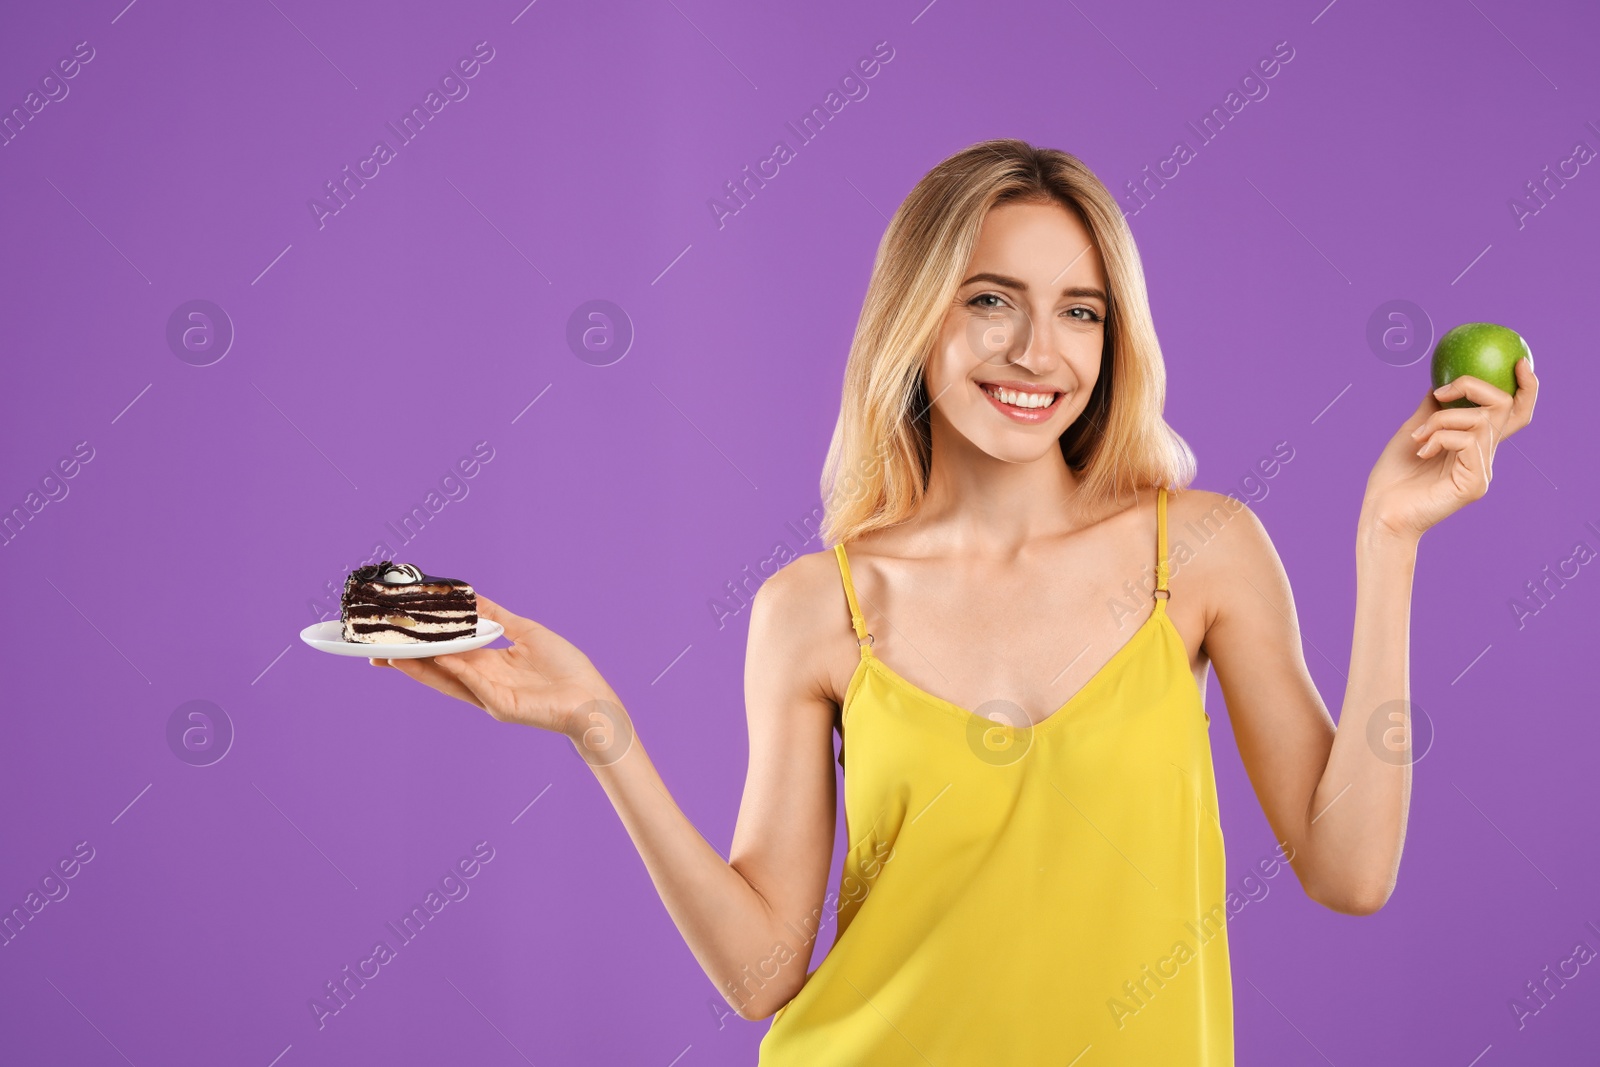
[{"x": 1339, "y": 796}]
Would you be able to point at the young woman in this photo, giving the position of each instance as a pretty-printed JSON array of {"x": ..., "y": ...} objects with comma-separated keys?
[{"x": 1012, "y": 634}]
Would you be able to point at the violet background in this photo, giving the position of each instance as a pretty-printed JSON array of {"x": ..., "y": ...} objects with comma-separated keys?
[{"x": 371, "y": 354}]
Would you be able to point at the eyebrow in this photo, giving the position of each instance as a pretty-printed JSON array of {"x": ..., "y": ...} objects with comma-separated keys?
[{"x": 1022, "y": 286}]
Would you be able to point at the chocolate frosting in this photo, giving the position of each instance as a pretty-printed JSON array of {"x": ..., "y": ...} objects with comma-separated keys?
[{"x": 409, "y": 575}]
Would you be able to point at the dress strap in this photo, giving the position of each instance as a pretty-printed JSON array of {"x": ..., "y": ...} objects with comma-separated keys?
[
  {"x": 1161, "y": 590},
  {"x": 863, "y": 638}
]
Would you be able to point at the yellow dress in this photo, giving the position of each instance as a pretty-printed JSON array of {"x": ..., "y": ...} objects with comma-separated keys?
[{"x": 1019, "y": 895}]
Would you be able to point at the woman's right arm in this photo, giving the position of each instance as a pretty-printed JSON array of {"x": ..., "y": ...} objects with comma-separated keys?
[{"x": 739, "y": 916}]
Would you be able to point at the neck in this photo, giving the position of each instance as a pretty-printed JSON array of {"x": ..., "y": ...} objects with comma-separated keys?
[{"x": 994, "y": 506}]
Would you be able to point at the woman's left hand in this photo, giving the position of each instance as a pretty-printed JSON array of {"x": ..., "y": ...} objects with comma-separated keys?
[{"x": 1443, "y": 458}]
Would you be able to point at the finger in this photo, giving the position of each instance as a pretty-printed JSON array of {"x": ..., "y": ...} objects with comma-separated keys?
[
  {"x": 481, "y": 661},
  {"x": 1425, "y": 408},
  {"x": 1468, "y": 466},
  {"x": 429, "y": 673},
  {"x": 1476, "y": 390},
  {"x": 380, "y": 663},
  {"x": 1527, "y": 395},
  {"x": 1450, "y": 419},
  {"x": 1428, "y": 406},
  {"x": 1465, "y": 443}
]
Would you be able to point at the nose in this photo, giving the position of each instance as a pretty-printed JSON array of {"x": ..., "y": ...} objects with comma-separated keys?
[
  {"x": 1040, "y": 350},
  {"x": 1005, "y": 336},
  {"x": 1021, "y": 344}
]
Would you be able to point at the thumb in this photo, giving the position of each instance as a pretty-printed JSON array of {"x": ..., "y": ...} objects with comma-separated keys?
[{"x": 515, "y": 625}]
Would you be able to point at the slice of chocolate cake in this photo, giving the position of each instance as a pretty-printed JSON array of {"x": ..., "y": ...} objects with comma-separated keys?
[{"x": 396, "y": 603}]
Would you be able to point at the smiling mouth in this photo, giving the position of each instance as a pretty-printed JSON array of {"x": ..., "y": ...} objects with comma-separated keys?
[{"x": 1022, "y": 405}]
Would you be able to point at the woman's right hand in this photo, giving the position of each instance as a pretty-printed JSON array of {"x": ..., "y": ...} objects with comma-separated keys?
[{"x": 542, "y": 680}]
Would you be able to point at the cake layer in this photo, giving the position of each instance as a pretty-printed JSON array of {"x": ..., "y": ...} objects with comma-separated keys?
[
  {"x": 455, "y": 600},
  {"x": 377, "y": 611},
  {"x": 406, "y": 607},
  {"x": 389, "y": 593},
  {"x": 430, "y": 589},
  {"x": 379, "y": 633}
]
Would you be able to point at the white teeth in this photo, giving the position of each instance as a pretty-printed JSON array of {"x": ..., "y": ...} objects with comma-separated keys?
[{"x": 1021, "y": 400}]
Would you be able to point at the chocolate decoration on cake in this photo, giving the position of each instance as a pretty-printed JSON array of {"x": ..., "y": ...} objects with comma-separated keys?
[{"x": 397, "y": 602}]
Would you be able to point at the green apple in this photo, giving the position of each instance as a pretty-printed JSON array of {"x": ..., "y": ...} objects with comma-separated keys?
[{"x": 1481, "y": 350}]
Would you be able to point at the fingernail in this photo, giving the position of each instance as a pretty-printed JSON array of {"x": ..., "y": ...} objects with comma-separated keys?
[
  {"x": 1416, "y": 433},
  {"x": 1441, "y": 389}
]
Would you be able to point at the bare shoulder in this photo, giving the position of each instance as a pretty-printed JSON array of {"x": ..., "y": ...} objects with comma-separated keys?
[
  {"x": 800, "y": 596},
  {"x": 1224, "y": 525},
  {"x": 800, "y": 623},
  {"x": 1218, "y": 546}
]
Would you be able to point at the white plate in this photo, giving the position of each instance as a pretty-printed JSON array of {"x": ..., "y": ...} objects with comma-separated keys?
[{"x": 329, "y": 637}]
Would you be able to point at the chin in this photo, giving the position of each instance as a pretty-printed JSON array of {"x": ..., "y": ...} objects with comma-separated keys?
[{"x": 1022, "y": 444}]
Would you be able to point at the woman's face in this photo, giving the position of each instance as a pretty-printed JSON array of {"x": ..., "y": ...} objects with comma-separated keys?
[{"x": 1019, "y": 352}]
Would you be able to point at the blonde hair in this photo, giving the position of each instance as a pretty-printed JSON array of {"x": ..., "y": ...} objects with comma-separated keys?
[{"x": 876, "y": 470}]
